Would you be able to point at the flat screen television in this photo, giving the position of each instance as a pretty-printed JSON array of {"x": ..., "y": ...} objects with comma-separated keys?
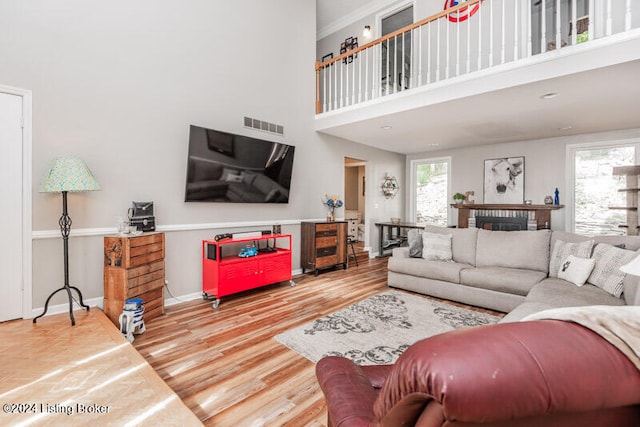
[{"x": 224, "y": 167}]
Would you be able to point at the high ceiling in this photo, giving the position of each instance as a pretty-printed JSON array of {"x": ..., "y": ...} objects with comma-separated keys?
[{"x": 596, "y": 99}]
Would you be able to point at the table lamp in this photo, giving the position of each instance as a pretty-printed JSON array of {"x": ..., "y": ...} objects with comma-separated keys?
[{"x": 67, "y": 174}]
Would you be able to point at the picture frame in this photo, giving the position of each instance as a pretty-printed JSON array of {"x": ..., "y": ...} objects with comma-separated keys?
[
  {"x": 327, "y": 57},
  {"x": 504, "y": 180}
]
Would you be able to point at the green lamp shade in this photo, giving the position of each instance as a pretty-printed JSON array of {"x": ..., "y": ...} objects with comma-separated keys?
[{"x": 69, "y": 174}]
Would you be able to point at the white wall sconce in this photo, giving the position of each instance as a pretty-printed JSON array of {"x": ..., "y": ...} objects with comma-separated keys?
[{"x": 366, "y": 33}]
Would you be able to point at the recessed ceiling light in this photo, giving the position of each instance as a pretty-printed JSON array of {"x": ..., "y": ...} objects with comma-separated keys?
[
  {"x": 549, "y": 95},
  {"x": 386, "y": 127},
  {"x": 566, "y": 127}
]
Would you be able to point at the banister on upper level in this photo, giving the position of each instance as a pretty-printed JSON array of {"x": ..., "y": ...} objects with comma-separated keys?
[{"x": 472, "y": 37}]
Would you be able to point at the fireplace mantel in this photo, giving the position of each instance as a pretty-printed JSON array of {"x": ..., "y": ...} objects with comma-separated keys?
[{"x": 542, "y": 212}]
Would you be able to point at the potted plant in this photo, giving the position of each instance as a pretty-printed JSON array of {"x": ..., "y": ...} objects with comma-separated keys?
[{"x": 459, "y": 198}]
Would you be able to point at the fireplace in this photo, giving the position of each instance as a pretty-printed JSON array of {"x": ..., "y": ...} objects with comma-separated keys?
[{"x": 496, "y": 223}]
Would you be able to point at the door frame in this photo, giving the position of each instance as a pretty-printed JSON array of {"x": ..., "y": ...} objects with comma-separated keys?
[{"x": 27, "y": 230}]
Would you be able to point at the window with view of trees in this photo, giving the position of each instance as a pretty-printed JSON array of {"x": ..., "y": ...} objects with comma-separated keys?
[
  {"x": 596, "y": 188},
  {"x": 430, "y": 183}
]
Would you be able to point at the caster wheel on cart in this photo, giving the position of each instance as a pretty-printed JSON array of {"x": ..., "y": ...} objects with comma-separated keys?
[
  {"x": 205, "y": 296},
  {"x": 215, "y": 303},
  {"x": 292, "y": 283}
]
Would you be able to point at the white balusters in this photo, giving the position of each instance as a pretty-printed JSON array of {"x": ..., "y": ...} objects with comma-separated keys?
[
  {"x": 574, "y": 23},
  {"x": 374, "y": 72},
  {"x": 558, "y": 25}
]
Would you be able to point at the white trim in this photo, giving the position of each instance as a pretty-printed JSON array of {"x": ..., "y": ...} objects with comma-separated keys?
[
  {"x": 27, "y": 150},
  {"x": 86, "y": 232},
  {"x": 413, "y": 178},
  {"x": 97, "y": 302},
  {"x": 570, "y": 152}
]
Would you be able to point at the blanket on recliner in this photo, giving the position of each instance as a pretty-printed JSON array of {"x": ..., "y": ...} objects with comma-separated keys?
[{"x": 620, "y": 326}]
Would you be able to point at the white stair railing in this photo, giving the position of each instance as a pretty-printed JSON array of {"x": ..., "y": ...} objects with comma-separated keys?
[{"x": 475, "y": 35}]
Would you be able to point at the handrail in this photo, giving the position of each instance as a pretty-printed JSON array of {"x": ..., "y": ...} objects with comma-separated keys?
[
  {"x": 435, "y": 49},
  {"x": 396, "y": 33}
]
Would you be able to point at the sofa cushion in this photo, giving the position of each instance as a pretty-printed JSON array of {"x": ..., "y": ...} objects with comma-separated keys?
[
  {"x": 523, "y": 310},
  {"x": 463, "y": 242},
  {"x": 606, "y": 273},
  {"x": 510, "y": 280},
  {"x": 436, "y": 247},
  {"x": 562, "y": 250},
  {"x": 576, "y": 270},
  {"x": 514, "y": 249},
  {"x": 631, "y": 291},
  {"x": 438, "y": 270},
  {"x": 629, "y": 242},
  {"x": 560, "y": 293},
  {"x": 414, "y": 240}
]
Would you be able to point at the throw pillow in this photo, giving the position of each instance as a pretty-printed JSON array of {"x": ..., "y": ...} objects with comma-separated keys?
[
  {"x": 436, "y": 247},
  {"x": 606, "y": 274},
  {"x": 576, "y": 270},
  {"x": 414, "y": 239},
  {"x": 562, "y": 250}
]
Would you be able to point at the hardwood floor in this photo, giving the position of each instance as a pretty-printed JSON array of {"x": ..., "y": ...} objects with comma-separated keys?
[
  {"x": 225, "y": 364},
  {"x": 55, "y": 374}
]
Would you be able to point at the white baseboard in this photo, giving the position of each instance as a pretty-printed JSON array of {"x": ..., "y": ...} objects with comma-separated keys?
[
  {"x": 64, "y": 308},
  {"x": 99, "y": 302}
]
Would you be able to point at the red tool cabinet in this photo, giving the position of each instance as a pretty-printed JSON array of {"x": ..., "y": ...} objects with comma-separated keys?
[{"x": 225, "y": 273}]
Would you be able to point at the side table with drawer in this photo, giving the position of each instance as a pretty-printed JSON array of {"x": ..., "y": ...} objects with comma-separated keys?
[
  {"x": 324, "y": 245},
  {"x": 134, "y": 268}
]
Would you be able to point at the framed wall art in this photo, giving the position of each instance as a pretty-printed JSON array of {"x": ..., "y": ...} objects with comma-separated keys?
[{"x": 504, "y": 181}]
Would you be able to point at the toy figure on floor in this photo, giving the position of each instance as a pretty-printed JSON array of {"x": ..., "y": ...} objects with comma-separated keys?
[{"x": 131, "y": 321}]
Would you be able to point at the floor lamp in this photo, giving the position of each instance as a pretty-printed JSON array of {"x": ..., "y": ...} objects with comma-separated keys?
[{"x": 67, "y": 174}]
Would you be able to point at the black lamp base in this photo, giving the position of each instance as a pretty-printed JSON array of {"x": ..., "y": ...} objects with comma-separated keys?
[
  {"x": 65, "y": 228},
  {"x": 71, "y": 299}
]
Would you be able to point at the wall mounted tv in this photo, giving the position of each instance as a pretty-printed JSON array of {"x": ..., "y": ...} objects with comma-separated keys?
[{"x": 223, "y": 167}]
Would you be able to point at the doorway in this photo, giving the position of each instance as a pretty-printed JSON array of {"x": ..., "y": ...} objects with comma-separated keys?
[
  {"x": 15, "y": 218},
  {"x": 396, "y": 52},
  {"x": 354, "y": 198}
]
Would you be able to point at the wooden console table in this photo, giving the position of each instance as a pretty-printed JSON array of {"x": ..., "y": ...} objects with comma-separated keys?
[{"x": 542, "y": 212}]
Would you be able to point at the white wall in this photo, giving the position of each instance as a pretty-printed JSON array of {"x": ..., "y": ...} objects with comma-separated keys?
[
  {"x": 118, "y": 84},
  {"x": 545, "y": 166}
]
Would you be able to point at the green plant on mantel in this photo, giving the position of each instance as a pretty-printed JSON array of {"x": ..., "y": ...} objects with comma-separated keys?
[{"x": 459, "y": 197}]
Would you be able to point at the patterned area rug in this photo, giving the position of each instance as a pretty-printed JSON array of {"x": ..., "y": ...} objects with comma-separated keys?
[{"x": 377, "y": 330}]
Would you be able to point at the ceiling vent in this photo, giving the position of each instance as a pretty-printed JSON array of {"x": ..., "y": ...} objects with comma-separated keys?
[{"x": 264, "y": 126}]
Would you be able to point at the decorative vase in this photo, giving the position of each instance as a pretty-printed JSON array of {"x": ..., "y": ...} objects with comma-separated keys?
[{"x": 331, "y": 217}]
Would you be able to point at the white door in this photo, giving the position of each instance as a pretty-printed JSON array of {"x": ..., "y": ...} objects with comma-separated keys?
[{"x": 11, "y": 212}]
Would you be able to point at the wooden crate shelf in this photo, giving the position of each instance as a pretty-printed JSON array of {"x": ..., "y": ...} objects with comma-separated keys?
[{"x": 134, "y": 268}]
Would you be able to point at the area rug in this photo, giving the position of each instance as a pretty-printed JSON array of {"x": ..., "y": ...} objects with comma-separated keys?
[{"x": 377, "y": 330}]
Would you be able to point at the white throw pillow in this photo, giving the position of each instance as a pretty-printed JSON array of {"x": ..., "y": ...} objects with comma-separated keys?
[
  {"x": 562, "y": 250},
  {"x": 606, "y": 274},
  {"x": 436, "y": 247},
  {"x": 576, "y": 270}
]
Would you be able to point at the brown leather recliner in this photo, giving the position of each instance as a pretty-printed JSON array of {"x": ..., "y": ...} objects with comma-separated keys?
[{"x": 541, "y": 373}]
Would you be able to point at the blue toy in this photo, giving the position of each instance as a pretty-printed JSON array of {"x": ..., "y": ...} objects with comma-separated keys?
[{"x": 248, "y": 251}]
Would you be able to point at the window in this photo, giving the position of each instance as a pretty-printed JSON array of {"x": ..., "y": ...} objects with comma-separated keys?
[
  {"x": 595, "y": 188},
  {"x": 430, "y": 180}
]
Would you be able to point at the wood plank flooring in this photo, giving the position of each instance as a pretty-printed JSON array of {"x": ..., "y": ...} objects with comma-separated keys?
[
  {"x": 220, "y": 367},
  {"x": 80, "y": 375},
  {"x": 225, "y": 364}
]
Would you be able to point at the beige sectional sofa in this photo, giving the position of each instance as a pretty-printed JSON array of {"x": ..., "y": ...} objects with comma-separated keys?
[{"x": 515, "y": 271}]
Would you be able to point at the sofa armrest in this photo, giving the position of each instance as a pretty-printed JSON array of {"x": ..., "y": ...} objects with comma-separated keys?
[
  {"x": 509, "y": 371},
  {"x": 349, "y": 390},
  {"x": 402, "y": 252}
]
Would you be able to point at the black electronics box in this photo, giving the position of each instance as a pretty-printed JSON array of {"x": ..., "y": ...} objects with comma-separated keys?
[{"x": 144, "y": 223}]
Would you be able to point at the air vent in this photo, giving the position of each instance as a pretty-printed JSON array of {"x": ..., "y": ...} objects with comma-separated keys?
[{"x": 264, "y": 126}]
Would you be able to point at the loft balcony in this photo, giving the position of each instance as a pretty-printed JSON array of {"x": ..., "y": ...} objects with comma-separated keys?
[{"x": 447, "y": 82}]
